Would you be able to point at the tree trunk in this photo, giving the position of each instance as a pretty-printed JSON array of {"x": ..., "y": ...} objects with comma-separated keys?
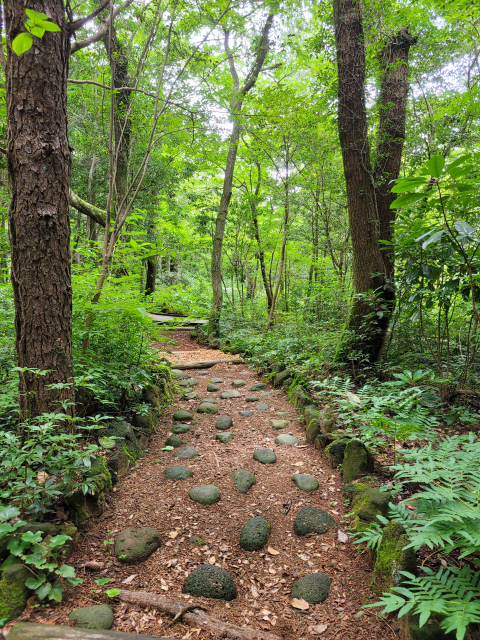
[
  {"x": 256, "y": 231},
  {"x": 152, "y": 266},
  {"x": 364, "y": 327},
  {"x": 38, "y": 160}
]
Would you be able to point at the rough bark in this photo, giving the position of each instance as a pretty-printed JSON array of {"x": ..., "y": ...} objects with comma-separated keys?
[
  {"x": 31, "y": 631},
  {"x": 152, "y": 266},
  {"x": 238, "y": 96},
  {"x": 38, "y": 161}
]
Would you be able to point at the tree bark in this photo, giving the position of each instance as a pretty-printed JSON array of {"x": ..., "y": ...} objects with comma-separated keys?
[
  {"x": 32, "y": 631},
  {"x": 235, "y": 107},
  {"x": 152, "y": 266},
  {"x": 38, "y": 161}
]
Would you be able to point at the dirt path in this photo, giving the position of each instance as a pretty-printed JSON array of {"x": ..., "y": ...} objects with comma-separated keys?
[{"x": 145, "y": 498}]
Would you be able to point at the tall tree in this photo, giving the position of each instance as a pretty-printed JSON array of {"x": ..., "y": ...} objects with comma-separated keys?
[
  {"x": 236, "y": 103},
  {"x": 368, "y": 197}
]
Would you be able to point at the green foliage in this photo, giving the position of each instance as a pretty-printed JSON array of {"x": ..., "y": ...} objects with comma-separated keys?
[{"x": 36, "y": 26}]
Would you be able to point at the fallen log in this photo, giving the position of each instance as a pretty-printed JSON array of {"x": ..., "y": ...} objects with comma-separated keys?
[
  {"x": 207, "y": 364},
  {"x": 197, "y": 617},
  {"x": 31, "y": 631}
]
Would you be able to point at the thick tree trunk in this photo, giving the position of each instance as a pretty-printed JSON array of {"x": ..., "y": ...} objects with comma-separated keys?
[
  {"x": 38, "y": 160},
  {"x": 256, "y": 231},
  {"x": 364, "y": 327}
]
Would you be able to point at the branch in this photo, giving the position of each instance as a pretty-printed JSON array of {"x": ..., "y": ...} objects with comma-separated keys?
[
  {"x": 96, "y": 214},
  {"x": 74, "y": 26},
  {"x": 95, "y": 37},
  {"x": 260, "y": 59}
]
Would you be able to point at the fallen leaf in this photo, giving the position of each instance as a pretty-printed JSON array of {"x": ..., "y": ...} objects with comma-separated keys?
[
  {"x": 298, "y": 464},
  {"x": 173, "y": 534},
  {"x": 320, "y": 628},
  {"x": 299, "y": 603},
  {"x": 335, "y": 513},
  {"x": 129, "y": 579},
  {"x": 265, "y": 626},
  {"x": 212, "y": 560},
  {"x": 272, "y": 551},
  {"x": 255, "y": 593},
  {"x": 352, "y": 397},
  {"x": 42, "y": 476},
  {"x": 341, "y": 536}
]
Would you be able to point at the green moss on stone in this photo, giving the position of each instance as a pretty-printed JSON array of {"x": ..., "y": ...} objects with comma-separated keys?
[
  {"x": 313, "y": 588},
  {"x": 357, "y": 461},
  {"x": 336, "y": 451},
  {"x": 391, "y": 558},
  {"x": 13, "y": 592},
  {"x": 209, "y": 581},
  {"x": 367, "y": 505},
  {"x": 254, "y": 534}
]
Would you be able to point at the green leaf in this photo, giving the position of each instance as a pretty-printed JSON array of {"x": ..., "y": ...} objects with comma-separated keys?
[
  {"x": 433, "y": 238},
  {"x": 22, "y": 43},
  {"x": 30, "y": 537},
  {"x": 8, "y": 562},
  {"x": 102, "y": 581},
  {"x": 16, "y": 547},
  {"x": 9, "y": 512},
  {"x": 66, "y": 571},
  {"x": 408, "y": 184},
  {"x": 49, "y": 26},
  {"x": 404, "y": 201},
  {"x": 35, "y": 583},
  {"x": 35, "y": 16},
  {"x": 111, "y": 593},
  {"x": 43, "y": 591},
  {"x": 57, "y": 592},
  {"x": 37, "y": 31},
  {"x": 57, "y": 541},
  {"x": 435, "y": 166}
]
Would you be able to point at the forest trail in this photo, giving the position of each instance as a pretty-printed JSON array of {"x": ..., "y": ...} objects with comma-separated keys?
[{"x": 264, "y": 579}]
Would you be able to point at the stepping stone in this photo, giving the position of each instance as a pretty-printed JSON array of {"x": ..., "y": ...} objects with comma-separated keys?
[
  {"x": 216, "y": 381},
  {"x": 231, "y": 393},
  {"x": 282, "y": 413},
  {"x": 279, "y": 424},
  {"x": 213, "y": 387},
  {"x": 225, "y": 437},
  {"x": 305, "y": 482},
  {"x": 182, "y": 415},
  {"x": 209, "y": 581},
  {"x": 185, "y": 383},
  {"x": 185, "y": 453},
  {"x": 223, "y": 423},
  {"x": 258, "y": 386},
  {"x": 284, "y": 438},
  {"x": 97, "y": 617},
  {"x": 239, "y": 383},
  {"x": 206, "y": 494},
  {"x": 202, "y": 373},
  {"x": 177, "y": 472},
  {"x": 181, "y": 428},
  {"x": 261, "y": 407},
  {"x": 135, "y": 545},
  {"x": 264, "y": 394},
  {"x": 192, "y": 382},
  {"x": 313, "y": 588},
  {"x": 179, "y": 375},
  {"x": 246, "y": 414},
  {"x": 252, "y": 399},
  {"x": 312, "y": 520},
  {"x": 174, "y": 441},
  {"x": 243, "y": 480},
  {"x": 254, "y": 534},
  {"x": 191, "y": 395},
  {"x": 207, "y": 407},
  {"x": 265, "y": 456}
]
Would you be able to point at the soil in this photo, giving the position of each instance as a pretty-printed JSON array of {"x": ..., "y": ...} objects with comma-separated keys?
[{"x": 145, "y": 498}]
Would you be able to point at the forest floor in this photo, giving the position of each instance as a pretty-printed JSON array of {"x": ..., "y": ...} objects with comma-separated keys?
[{"x": 145, "y": 498}]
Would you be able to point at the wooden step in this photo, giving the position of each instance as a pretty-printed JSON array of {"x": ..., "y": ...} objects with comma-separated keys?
[{"x": 30, "y": 631}]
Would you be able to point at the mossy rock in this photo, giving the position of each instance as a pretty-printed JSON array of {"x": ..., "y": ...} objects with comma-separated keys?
[
  {"x": 285, "y": 438},
  {"x": 185, "y": 453},
  {"x": 99, "y": 616},
  {"x": 153, "y": 396},
  {"x": 181, "y": 428},
  {"x": 13, "y": 592},
  {"x": 254, "y": 534},
  {"x": 100, "y": 468},
  {"x": 224, "y": 437},
  {"x": 311, "y": 412},
  {"x": 239, "y": 383},
  {"x": 265, "y": 456},
  {"x": 209, "y": 581},
  {"x": 177, "y": 472},
  {"x": 146, "y": 422},
  {"x": 243, "y": 480},
  {"x": 357, "y": 461},
  {"x": 312, "y": 520},
  {"x": 174, "y": 441},
  {"x": 182, "y": 415},
  {"x": 320, "y": 442},
  {"x": 125, "y": 439},
  {"x": 312, "y": 430},
  {"x": 258, "y": 386},
  {"x": 305, "y": 482},
  {"x": 313, "y": 588},
  {"x": 231, "y": 393},
  {"x": 279, "y": 424},
  {"x": 411, "y": 629},
  {"x": 135, "y": 545},
  {"x": 207, "y": 407},
  {"x": 368, "y": 505},
  {"x": 118, "y": 464},
  {"x": 281, "y": 376},
  {"x": 351, "y": 490},
  {"x": 336, "y": 451},
  {"x": 206, "y": 494},
  {"x": 327, "y": 420},
  {"x": 391, "y": 558},
  {"x": 213, "y": 387},
  {"x": 178, "y": 374},
  {"x": 252, "y": 399}
]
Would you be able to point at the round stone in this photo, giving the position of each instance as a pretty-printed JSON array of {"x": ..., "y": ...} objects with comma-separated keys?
[
  {"x": 246, "y": 414},
  {"x": 231, "y": 393},
  {"x": 312, "y": 520},
  {"x": 209, "y": 581},
  {"x": 97, "y": 617},
  {"x": 185, "y": 383},
  {"x": 182, "y": 415},
  {"x": 174, "y": 441},
  {"x": 261, "y": 407},
  {"x": 179, "y": 375},
  {"x": 177, "y": 472},
  {"x": 254, "y": 534},
  {"x": 207, "y": 494},
  {"x": 224, "y": 437},
  {"x": 239, "y": 383},
  {"x": 252, "y": 399},
  {"x": 264, "y": 394},
  {"x": 258, "y": 386},
  {"x": 213, "y": 387},
  {"x": 265, "y": 456},
  {"x": 284, "y": 438},
  {"x": 192, "y": 382},
  {"x": 216, "y": 381},
  {"x": 305, "y": 482},
  {"x": 186, "y": 453},
  {"x": 279, "y": 424},
  {"x": 313, "y": 588},
  {"x": 243, "y": 480},
  {"x": 191, "y": 395},
  {"x": 135, "y": 545},
  {"x": 181, "y": 428},
  {"x": 223, "y": 423},
  {"x": 207, "y": 407}
]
